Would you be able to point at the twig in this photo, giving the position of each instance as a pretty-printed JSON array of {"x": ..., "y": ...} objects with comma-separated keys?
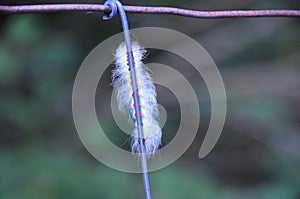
[
  {"x": 117, "y": 7},
  {"x": 149, "y": 10}
]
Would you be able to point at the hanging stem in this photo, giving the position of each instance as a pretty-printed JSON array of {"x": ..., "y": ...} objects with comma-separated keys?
[{"x": 115, "y": 7}]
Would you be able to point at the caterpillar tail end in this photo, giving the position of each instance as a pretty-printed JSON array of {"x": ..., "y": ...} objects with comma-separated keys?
[{"x": 151, "y": 140}]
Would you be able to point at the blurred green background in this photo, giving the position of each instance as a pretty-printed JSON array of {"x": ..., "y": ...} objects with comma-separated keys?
[{"x": 257, "y": 155}]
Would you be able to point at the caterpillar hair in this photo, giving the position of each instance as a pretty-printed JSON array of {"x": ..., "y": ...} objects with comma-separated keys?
[{"x": 121, "y": 83}]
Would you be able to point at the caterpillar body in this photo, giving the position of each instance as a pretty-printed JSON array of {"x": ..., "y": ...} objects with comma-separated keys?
[{"x": 121, "y": 83}]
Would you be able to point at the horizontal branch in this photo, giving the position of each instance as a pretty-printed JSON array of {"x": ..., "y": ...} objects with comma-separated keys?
[{"x": 149, "y": 10}]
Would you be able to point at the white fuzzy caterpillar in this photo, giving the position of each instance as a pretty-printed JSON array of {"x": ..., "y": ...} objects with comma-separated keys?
[{"x": 121, "y": 82}]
